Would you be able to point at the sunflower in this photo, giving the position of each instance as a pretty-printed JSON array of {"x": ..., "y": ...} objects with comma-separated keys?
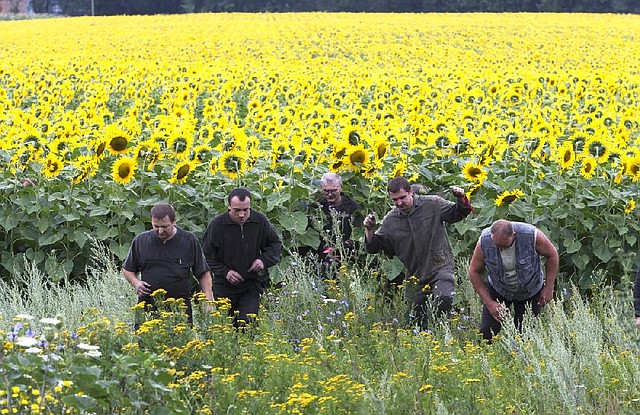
[
  {"x": 632, "y": 167},
  {"x": 597, "y": 148},
  {"x": 202, "y": 153},
  {"x": 588, "y": 168},
  {"x": 99, "y": 147},
  {"x": 86, "y": 166},
  {"x": 179, "y": 143},
  {"x": 149, "y": 151},
  {"x": 232, "y": 163},
  {"x": 474, "y": 172},
  {"x": 60, "y": 146},
  {"x": 116, "y": 139},
  {"x": 508, "y": 197},
  {"x": 182, "y": 170},
  {"x": 124, "y": 169},
  {"x": 381, "y": 149},
  {"x": 357, "y": 158},
  {"x": 630, "y": 206},
  {"x": 52, "y": 166},
  {"x": 566, "y": 156},
  {"x": 21, "y": 159}
]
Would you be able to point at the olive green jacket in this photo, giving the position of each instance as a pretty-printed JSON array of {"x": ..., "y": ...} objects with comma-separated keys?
[{"x": 419, "y": 238}]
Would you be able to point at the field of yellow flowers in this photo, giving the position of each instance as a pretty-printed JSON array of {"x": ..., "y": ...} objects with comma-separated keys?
[{"x": 537, "y": 116}]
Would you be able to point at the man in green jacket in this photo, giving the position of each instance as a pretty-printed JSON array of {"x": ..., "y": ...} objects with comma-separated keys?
[{"x": 415, "y": 232}]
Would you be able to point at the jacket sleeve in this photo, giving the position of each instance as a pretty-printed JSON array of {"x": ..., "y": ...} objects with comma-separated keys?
[
  {"x": 453, "y": 212},
  {"x": 636, "y": 294},
  {"x": 212, "y": 249},
  {"x": 271, "y": 247}
]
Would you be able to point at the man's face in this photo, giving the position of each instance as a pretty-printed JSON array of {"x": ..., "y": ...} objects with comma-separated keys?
[
  {"x": 402, "y": 199},
  {"x": 503, "y": 241},
  {"x": 163, "y": 228},
  {"x": 331, "y": 192},
  {"x": 239, "y": 210}
]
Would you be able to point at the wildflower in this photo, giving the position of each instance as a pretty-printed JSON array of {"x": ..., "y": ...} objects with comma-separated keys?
[
  {"x": 425, "y": 388},
  {"x": 27, "y": 342},
  {"x": 50, "y": 321}
]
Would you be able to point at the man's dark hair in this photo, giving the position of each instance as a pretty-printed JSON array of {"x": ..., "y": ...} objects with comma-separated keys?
[
  {"x": 241, "y": 192},
  {"x": 160, "y": 210},
  {"x": 398, "y": 183}
]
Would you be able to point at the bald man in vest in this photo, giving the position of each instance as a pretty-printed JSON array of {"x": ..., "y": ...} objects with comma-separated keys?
[{"x": 511, "y": 253}]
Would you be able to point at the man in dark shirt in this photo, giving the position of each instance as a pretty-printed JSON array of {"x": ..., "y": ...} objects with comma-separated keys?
[
  {"x": 165, "y": 258},
  {"x": 340, "y": 208},
  {"x": 239, "y": 246}
]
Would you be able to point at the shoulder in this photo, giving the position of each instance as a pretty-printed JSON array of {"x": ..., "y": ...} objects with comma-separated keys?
[
  {"x": 259, "y": 217},
  {"x": 350, "y": 205},
  {"x": 183, "y": 234},
  {"x": 524, "y": 228},
  {"x": 429, "y": 200},
  {"x": 144, "y": 237},
  {"x": 220, "y": 219}
]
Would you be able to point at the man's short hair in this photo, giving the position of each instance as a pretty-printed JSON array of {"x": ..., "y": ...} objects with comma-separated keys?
[
  {"x": 162, "y": 210},
  {"x": 331, "y": 178},
  {"x": 398, "y": 183},
  {"x": 240, "y": 192},
  {"x": 503, "y": 227}
]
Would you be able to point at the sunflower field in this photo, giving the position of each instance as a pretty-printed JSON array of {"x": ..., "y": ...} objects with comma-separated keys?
[{"x": 536, "y": 116}]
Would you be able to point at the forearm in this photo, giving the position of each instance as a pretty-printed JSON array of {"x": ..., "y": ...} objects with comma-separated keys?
[
  {"x": 551, "y": 271},
  {"x": 206, "y": 285},
  {"x": 131, "y": 277},
  {"x": 480, "y": 286}
]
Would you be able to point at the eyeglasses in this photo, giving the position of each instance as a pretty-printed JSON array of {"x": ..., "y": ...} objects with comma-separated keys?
[{"x": 330, "y": 191}]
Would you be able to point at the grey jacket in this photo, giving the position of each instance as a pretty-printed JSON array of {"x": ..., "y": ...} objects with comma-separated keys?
[{"x": 419, "y": 238}]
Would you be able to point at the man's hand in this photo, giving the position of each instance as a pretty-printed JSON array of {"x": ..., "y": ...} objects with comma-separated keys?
[
  {"x": 257, "y": 266},
  {"x": 546, "y": 295},
  {"x": 498, "y": 311},
  {"x": 370, "y": 221},
  {"x": 142, "y": 288},
  {"x": 234, "y": 277},
  {"x": 458, "y": 192},
  {"x": 638, "y": 322}
]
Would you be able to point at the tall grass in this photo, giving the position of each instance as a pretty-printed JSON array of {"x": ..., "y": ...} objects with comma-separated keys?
[{"x": 322, "y": 346}]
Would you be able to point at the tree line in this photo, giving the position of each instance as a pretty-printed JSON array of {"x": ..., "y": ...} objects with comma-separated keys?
[{"x": 116, "y": 7}]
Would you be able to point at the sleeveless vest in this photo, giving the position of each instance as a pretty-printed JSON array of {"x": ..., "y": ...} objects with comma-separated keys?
[{"x": 528, "y": 265}]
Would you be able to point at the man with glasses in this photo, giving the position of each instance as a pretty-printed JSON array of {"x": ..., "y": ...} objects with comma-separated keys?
[
  {"x": 414, "y": 231},
  {"x": 341, "y": 213}
]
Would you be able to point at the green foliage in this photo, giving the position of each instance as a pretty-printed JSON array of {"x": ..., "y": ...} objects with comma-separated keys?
[{"x": 319, "y": 346}]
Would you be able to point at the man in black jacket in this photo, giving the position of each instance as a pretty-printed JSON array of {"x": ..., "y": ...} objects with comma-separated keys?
[
  {"x": 337, "y": 205},
  {"x": 239, "y": 246}
]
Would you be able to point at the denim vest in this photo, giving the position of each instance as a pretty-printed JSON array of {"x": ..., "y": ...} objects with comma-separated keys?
[{"x": 528, "y": 264}]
